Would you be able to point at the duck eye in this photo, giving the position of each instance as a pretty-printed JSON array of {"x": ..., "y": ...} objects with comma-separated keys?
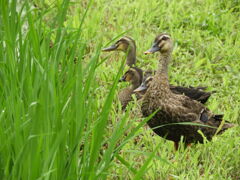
[
  {"x": 164, "y": 38},
  {"x": 128, "y": 77}
]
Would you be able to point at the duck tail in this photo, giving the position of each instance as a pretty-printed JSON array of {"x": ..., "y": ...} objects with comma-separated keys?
[
  {"x": 204, "y": 98},
  {"x": 218, "y": 117},
  {"x": 225, "y": 126}
]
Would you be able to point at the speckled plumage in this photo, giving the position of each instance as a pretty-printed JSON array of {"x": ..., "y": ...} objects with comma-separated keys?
[
  {"x": 195, "y": 93},
  {"x": 174, "y": 108}
]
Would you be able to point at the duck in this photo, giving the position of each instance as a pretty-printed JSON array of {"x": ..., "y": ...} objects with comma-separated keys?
[
  {"x": 176, "y": 116},
  {"x": 134, "y": 76},
  {"x": 196, "y": 93},
  {"x": 127, "y": 45}
]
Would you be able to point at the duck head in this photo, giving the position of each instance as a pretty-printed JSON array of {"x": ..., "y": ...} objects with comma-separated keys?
[
  {"x": 134, "y": 76},
  {"x": 125, "y": 44},
  {"x": 144, "y": 85},
  {"x": 162, "y": 43}
]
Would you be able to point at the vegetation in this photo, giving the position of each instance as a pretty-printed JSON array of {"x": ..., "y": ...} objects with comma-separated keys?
[{"x": 59, "y": 113}]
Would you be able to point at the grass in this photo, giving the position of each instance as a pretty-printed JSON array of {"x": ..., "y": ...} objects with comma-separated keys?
[{"x": 59, "y": 114}]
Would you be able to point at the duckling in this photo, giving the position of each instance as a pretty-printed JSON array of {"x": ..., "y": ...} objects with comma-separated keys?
[
  {"x": 173, "y": 109},
  {"x": 127, "y": 45},
  {"x": 195, "y": 93},
  {"x": 134, "y": 76}
]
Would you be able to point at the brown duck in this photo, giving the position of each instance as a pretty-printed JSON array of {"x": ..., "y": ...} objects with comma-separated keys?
[
  {"x": 173, "y": 109},
  {"x": 134, "y": 76}
]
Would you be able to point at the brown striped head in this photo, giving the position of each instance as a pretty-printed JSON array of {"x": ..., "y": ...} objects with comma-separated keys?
[
  {"x": 145, "y": 85},
  {"x": 134, "y": 75},
  {"x": 123, "y": 44},
  {"x": 162, "y": 43}
]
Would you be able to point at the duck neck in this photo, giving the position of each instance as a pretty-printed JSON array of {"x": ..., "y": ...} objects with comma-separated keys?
[
  {"x": 131, "y": 57},
  {"x": 163, "y": 68}
]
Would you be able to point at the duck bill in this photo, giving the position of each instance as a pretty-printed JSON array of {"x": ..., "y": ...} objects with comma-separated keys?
[
  {"x": 140, "y": 88},
  {"x": 122, "y": 79},
  {"x": 111, "y": 48},
  {"x": 152, "y": 50}
]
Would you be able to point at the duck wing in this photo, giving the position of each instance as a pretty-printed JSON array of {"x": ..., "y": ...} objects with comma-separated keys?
[
  {"x": 185, "y": 110},
  {"x": 195, "y": 93}
]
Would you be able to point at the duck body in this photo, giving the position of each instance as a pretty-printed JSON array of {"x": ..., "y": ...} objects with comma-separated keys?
[
  {"x": 125, "y": 96},
  {"x": 173, "y": 109},
  {"x": 196, "y": 93}
]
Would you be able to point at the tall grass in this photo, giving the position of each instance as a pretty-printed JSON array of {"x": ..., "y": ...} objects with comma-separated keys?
[
  {"x": 59, "y": 115},
  {"x": 52, "y": 125}
]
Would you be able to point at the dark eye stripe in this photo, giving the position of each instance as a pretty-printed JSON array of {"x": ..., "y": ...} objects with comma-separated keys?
[
  {"x": 126, "y": 73},
  {"x": 149, "y": 79},
  {"x": 164, "y": 38},
  {"x": 159, "y": 41},
  {"x": 129, "y": 72}
]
